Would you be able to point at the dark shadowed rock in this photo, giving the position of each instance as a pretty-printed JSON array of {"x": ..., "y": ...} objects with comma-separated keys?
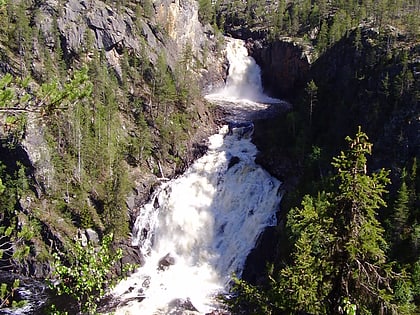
[
  {"x": 179, "y": 305},
  {"x": 233, "y": 161},
  {"x": 255, "y": 269},
  {"x": 284, "y": 66},
  {"x": 131, "y": 255},
  {"x": 166, "y": 261}
]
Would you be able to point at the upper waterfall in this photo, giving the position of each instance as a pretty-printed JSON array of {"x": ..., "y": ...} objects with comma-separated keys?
[{"x": 243, "y": 83}]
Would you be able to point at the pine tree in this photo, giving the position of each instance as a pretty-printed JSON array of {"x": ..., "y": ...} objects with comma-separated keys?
[
  {"x": 306, "y": 279},
  {"x": 164, "y": 87},
  {"x": 322, "y": 40},
  {"x": 205, "y": 11},
  {"x": 401, "y": 213},
  {"x": 362, "y": 276},
  {"x": 311, "y": 89}
]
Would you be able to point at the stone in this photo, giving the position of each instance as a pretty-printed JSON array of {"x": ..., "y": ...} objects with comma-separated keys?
[
  {"x": 92, "y": 236},
  {"x": 166, "y": 261},
  {"x": 233, "y": 161},
  {"x": 182, "y": 305}
]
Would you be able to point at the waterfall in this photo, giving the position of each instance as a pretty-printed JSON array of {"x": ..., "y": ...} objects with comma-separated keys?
[
  {"x": 243, "y": 83},
  {"x": 198, "y": 229}
]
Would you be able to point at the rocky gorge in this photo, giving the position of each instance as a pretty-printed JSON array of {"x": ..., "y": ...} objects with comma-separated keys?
[
  {"x": 78, "y": 28},
  {"x": 145, "y": 45}
]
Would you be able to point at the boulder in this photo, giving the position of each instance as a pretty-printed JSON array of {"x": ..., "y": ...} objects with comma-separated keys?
[
  {"x": 166, "y": 261},
  {"x": 92, "y": 236},
  {"x": 233, "y": 161},
  {"x": 131, "y": 255},
  {"x": 181, "y": 305}
]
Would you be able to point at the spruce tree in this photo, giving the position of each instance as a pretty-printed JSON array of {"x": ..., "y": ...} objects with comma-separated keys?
[
  {"x": 361, "y": 274},
  {"x": 401, "y": 213}
]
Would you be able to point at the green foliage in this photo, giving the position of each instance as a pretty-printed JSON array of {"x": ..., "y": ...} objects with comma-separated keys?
[
  {"x": 115, "y": 214},
  {"x": 140, "y": 144},
  {"x": 247, "y": 297},
  {"x": 415, "y": 278},
  {"x": 144, "y": 9},
  {"x": 54, "y": 96},
  {"x": 88, "y": 275},
  {"x": 311, "y": 89},
  {"x": 324, "y": 22},
  {"x": 15, "y": 237},
  {"x": 86, "y": 127},
  {"x": 205, "y": 11},
  {"x": 90, "y": 121},
  {"x": 186, "y": 82},
  {"x": 164, "y": 85},
  {"x": 13, "y": 100},
  {"x": 7, "y": 294},
  {"x": 339, "y": 264},
  {"x": 401, "y": 227},
  {"x": 322, "y": 40},
  {"x": 306, "y": 281}
]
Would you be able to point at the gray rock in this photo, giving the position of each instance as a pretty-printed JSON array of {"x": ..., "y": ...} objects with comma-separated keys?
[
  {"x": 92, "y": 236},
  {"x": 178, "y": 306},
  {"x": 38, "y": 151},
  {"x": 166, "y": 261},
  {"x": 174, "y": 26},
  {"x": 71, "y": 25}
]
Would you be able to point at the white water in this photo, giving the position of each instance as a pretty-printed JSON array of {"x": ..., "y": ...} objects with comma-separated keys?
[
  {"x": 243, "y": 85},
  {"x": 207, "y": 220}
]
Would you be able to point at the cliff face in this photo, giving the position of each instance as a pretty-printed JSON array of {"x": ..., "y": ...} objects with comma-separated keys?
[
  {"x": 284, "y": 66},
  {"x": 168, "y": 28},
  {"x": 372, "y": 84}
]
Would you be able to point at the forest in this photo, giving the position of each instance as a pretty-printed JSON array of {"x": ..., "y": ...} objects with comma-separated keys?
[{"x": 348, "y": 241}]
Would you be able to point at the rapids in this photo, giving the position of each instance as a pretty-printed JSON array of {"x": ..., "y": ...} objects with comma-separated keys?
[{"x": 198, "y": 229}]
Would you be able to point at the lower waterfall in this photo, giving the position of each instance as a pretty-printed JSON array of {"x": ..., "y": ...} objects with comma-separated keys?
[{"x": 198, "y": 229}]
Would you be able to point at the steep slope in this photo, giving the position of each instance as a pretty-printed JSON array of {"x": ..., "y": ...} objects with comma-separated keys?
[{"x": 113, "y": 105}]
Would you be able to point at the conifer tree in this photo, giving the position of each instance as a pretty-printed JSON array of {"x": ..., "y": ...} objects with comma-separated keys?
[
  {"x": 361, "y": 276},
  {"x": 205, "y": 11},
  {"x": 311, "y": 89},
  {"x": 322, "y": 37},
  {"x": 401, "y": 213}
]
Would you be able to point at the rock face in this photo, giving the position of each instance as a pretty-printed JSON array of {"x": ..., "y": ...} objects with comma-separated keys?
[
  {"x": 255, "y": 265},
  {"x": 169, "y": 28},
  {"x": 180, "y": 19},
  {"x": 112, "y": 29},
  {"x": 37, "y": 149},
  {"x": 353, "y": 93},
  {"x": 284, "y": 66}
]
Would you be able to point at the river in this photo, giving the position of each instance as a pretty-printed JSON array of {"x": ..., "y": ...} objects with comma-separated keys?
[{"x": 198, "y": 229}]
